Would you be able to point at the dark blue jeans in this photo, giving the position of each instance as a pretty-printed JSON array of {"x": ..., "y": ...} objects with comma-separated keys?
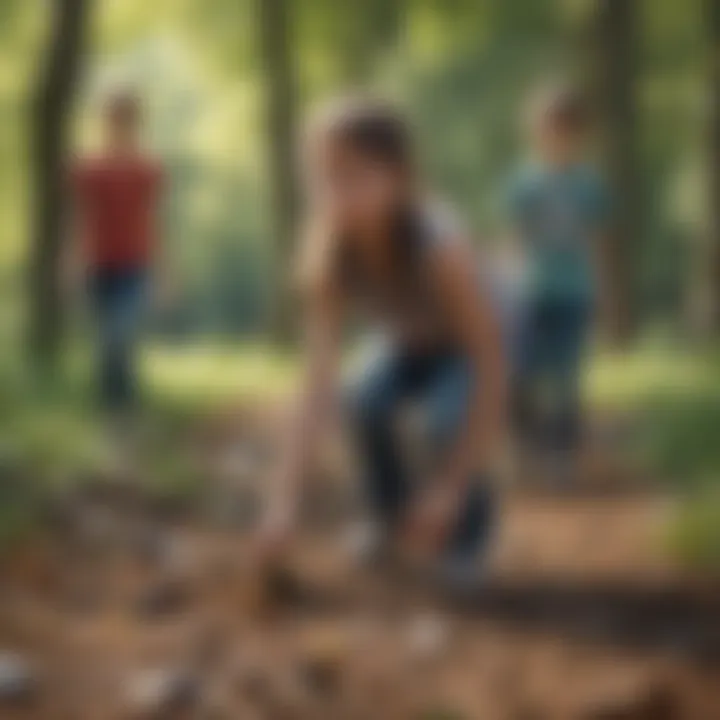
[
  {"x": 547, "y": 382},
  {"x": 118, "y": 298},
  {"x": 441, "y": 384}
]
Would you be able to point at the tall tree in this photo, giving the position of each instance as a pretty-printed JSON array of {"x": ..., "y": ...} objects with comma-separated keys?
[
  {"x": 365, "y": 31},
  {"x": 50, "y": 120},
  {"x": 712, "y": 11},
  {"x": 614, "y": 72},
  {"x": 276, "y": 50}
]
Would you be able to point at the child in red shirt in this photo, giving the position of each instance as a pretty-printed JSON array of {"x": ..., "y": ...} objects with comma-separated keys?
[{"x": 117, "y": 195}]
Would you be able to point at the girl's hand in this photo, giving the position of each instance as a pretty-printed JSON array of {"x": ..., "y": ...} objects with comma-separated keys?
[
  {"x": 429, "y": 521},
  {"x": 275, "y": 532}
]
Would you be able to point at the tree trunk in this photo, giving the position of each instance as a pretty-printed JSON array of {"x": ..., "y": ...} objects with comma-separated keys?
[
  {"x": 50, "y": 121},
  {"x": 712, "y": 12},
  {"x": 280, "y": 94},
  {"x": 372, "y": 28},
  {"x": 356, "y": 44},
  {"x": 614, "y": 71}
]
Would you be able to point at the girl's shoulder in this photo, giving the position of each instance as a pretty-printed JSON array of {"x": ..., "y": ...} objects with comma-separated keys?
[
  {"x": 447, "y": 241},
  {"x": 442, "y": 223}
]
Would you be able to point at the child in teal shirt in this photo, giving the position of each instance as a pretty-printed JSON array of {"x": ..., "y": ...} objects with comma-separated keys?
[{"x": 558, "y": 205}]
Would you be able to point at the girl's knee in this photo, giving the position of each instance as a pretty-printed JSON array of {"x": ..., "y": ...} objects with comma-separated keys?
[{"x": 366, "y": 406}]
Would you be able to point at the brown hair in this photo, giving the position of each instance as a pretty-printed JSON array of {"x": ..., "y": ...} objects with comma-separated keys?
[
  {"x": 123, "y": 108},
  {"x": 371, "y": 127},
  {"x": 563, "y": 106},
  {"x": 377, "y": 130}
]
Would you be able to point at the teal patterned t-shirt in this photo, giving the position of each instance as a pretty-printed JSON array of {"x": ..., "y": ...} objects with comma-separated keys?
[{"x": 558, "y": 213}]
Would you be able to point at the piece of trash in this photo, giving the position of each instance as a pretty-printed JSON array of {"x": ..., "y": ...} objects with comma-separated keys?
[
  {"x": 427, "y": 636},
  {"x": 17, "y": 678},
  {"x": 161, "y": 692}
]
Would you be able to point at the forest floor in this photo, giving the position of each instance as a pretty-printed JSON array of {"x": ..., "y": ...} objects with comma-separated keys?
[{"x": 121, "y": 608}]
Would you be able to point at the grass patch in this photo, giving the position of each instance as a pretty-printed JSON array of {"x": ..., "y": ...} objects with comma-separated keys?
[
  {"x": 203, "y": 376},
  {"x": 675, "y": 398},
  {"x": 49, "y": 432},
  {"x": 52, "y": 436},
  {"x": 630, "y": 380},
  {"x": 694, "y": 535}
]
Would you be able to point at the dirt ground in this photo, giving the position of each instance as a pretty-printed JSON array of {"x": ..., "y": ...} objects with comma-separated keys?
[{"x": 116, "y": 614}]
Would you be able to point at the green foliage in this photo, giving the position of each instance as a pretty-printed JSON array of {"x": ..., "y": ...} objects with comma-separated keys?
[
  {"x": 674, "y": 397},
  {"x": 680, "y": 437},
  {"x": 53, "y": 438},
  {"x": 694, "y": 536},
  {"x": 462, "y": 66}
]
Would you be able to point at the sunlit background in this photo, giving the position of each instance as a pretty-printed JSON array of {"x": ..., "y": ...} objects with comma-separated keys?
[{"x": 462, "y": 68}]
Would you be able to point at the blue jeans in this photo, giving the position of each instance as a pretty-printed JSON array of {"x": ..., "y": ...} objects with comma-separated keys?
[
  {"x": 441, "y": 383},
  {"x": 552, "y": 342},
  {"x": 118, "y": 298}
]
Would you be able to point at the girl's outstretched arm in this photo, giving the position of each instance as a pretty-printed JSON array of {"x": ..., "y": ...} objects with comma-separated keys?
[{"x": 310, "y": 408}]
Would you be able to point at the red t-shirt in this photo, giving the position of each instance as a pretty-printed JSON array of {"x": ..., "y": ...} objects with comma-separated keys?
[{"x": 117, "y": 201}]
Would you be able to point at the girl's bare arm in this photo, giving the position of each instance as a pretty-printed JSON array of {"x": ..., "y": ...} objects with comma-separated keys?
[
  {"x": 321, "y": 338},
  {"x": 475, "y": 326}
]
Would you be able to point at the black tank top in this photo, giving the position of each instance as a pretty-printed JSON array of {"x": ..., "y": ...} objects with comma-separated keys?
[{"x": 408, "y": 311}]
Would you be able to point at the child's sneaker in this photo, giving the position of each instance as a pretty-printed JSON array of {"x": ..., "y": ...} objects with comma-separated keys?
[{"x": 463, "y": 565}]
